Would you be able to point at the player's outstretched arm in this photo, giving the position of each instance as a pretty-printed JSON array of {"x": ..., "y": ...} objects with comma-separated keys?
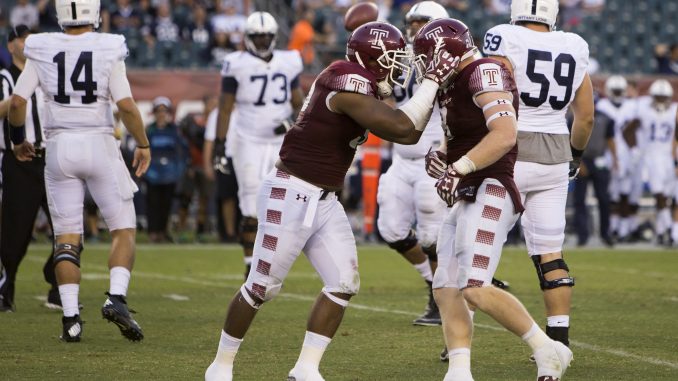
[
  {"x": 583, "y": 110},
  {"x": 501, "y": 122}
]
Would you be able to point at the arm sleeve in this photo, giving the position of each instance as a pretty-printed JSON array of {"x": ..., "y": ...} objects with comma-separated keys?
[
  {"x": 295, "y": 83},
  {"x": 609, "y": 131},
  {"x": 28, "y": 81},
  {"x": 229, "y": 85},
  {"x": 118, "y": 83}
]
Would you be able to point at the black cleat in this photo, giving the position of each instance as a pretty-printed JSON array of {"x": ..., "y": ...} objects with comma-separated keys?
[
  {"x": 444, "y": 356},
  {"x": 72, "y": 329},
  {"x": 6, "y": 305},
  {"x": 504, "y": 285},
  {"x": 54, "y": 300},
  {"x": 431, "y": 316},
  {"x": 115, "y": 310}
]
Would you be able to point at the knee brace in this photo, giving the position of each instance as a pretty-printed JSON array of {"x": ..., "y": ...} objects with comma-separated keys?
[
  {"x": 67, "y": 252},
  {"x": 248, "y": 226},
  {"x": 544, "y": 268},
  {"x": 405, "y": 244},
  {"x": 431, "y": 252}
]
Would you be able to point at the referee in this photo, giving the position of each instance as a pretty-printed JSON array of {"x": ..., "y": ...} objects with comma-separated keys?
[{"x": 23, "y": 187}]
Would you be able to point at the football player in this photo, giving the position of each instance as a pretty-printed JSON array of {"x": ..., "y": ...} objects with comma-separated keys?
[
  {"x": 479, "y": 108},
  {"x": 297, "y": 203},
  {"x": 260, "y": 93},
  {"x": 617, "y": 106},
  {"x": 80, "y": 72},
  {"x": 656, "y": 119},
  {"x": 406, "y": 193},
  {"x": 549, "y": 68}
]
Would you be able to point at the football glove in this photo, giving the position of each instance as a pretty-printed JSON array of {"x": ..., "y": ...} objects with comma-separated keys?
[
  {"x": 219, "y": 159},
  {"x": 284, "y": 126},
  {"x": 575, "y": 163},
  {"x": 442, "y": 67},
  {"x": 447, "y": 185},
  {"x": 436, "y": 163}
]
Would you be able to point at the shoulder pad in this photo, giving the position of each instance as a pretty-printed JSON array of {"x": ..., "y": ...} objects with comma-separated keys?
[
  {"x": 349, "y": 77},
  {"x": 231, "y": 64},
  {"x": 488, "y": 76}
]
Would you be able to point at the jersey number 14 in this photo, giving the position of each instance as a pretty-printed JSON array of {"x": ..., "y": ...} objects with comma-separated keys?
[{"x": 87, "y": 85}]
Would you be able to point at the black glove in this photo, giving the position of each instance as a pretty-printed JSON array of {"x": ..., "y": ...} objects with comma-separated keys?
[
  {"x": 575, "y": 163},
  {"x": 284, "y": 126},
  {"x": 219, "y": 159}
]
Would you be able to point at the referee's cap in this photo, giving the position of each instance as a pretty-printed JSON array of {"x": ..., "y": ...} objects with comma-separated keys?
[{"x": 19, "y": 31}]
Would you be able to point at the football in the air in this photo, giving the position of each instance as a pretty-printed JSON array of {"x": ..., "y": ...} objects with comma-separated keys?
[{"x": 359, "y": 14}]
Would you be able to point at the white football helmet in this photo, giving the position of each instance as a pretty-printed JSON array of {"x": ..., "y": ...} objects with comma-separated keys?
[
  {"x": 539, "y": 11},
  {"x": 662, "y": 92},
  {"x": 424, "y": 11},
  {"x": 78, "y": 12},
  {"x": 261, "y": 25},
  {"x": 615, "y": 88}
]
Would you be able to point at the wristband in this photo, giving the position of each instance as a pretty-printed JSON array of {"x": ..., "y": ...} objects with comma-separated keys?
[
  {"x": 17, "y": 134},
  {"x": 464, "y": 166},
  {"x": 144, "y": 147},
  {"x": 576, "y": 153},
  {"x": 418, "y": 108}
]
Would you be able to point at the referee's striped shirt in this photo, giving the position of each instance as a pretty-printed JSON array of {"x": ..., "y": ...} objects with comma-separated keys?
[{"x": 34, "y": 110}]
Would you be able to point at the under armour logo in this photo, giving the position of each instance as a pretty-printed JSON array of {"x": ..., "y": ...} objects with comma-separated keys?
[
  {"x": 433, "y": 33},
  {"x": 504, "y": 113},
  {"x": 300, "y": 197},
  {"x": 502, "y": 101},
  {"x": 378, "y": 34}
]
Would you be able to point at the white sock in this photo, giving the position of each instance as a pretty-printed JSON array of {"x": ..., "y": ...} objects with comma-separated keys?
[
  {"x": 624, "y": 226},
  {"x": 247, "y": 260},
  {"x": 665, "y": 216},
  {"x": 69, "y": 298},
  {"x": 460, "y": 358},
  {"x": 424, "y": 269},
  {"x": 471, "y": 313},
  {"x": 674, "y": 231},
  {"x": 119, "y": 281},
  {"x": 558, "y": 321},
  {"x": 312, "y": 351},
  {"x": 535, "y": 337},
  {"x": 228, "y": 347}
]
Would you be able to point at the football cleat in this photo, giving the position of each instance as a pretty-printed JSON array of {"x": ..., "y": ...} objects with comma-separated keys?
[
  {"x": 72, "y": 329},
  {"x": 444, "y": 355},
  {"x": 302, "y": 374},
  {"x": 216, "y": 372},
  {"x": 6, "y": 305},
  {"x": 54, "y": 300},
  {"x": 431, "y": 316},
  {"x": 552, "y": 361},
  {"x": 115, "y": 310}
]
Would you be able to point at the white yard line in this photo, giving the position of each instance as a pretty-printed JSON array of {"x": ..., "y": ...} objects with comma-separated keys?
[
  {"x": 177, "y": 297},
  {"x": 189, "y": 280}
]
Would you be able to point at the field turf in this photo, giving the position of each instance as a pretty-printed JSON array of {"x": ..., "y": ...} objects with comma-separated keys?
[{"x": 624, "y": 319}]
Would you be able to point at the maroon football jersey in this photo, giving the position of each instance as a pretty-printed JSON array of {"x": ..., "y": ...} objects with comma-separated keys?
[
  {"x": 466, "y": 126},
  {"x": 321, "y": 145}
]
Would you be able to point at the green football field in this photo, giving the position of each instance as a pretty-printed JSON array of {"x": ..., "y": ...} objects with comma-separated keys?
[{"x": 624, "y": 320}]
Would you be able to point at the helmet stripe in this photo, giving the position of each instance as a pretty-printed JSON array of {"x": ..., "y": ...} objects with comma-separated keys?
[
  {"x": 534, "y": 7},
  {"x": 73, "y": 12},
  {"x": 261, "y": 17}
]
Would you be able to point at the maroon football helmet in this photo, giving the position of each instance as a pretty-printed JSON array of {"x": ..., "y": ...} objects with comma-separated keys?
[
  {"x": 449, "y": 34},
  {"x": 380, "y": 48}
]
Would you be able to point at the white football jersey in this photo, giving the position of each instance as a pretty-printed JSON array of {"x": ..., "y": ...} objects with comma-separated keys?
[
  {"x": 263, "y": 96},
  {"x": 620, "y": 115},
  {"x": 548, "y": 69},
  {"x": 658, "y": 127},
  {"x": 74, "y": 72},
  {"x": 432, "y": 136}
]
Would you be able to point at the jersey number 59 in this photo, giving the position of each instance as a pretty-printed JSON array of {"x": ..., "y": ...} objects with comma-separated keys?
[{"x": 566, "y": 81}]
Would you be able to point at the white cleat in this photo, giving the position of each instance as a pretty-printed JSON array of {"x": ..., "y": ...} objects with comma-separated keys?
[
  {"x": 218, "y": 372},
  {"x": 552, "y": 361},
  {"x": 458, "y": 374},
  {"x": 302, "y": 374}
]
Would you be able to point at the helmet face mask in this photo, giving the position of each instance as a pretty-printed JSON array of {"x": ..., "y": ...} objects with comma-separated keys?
[
  {"x": 380, "y": 48},
  {"x": 661, "y": 92},
  {"x": 73, "y": 13},
  {"x": 260, "y": 34},
  {"x": 615, "y": 88}
]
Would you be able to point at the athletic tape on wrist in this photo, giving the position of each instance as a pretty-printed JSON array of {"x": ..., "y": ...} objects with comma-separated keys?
[
  {"x": 500, "y": 114},
  {"x": 464, "y": 166},
  {"x": 419, "y": 107}
]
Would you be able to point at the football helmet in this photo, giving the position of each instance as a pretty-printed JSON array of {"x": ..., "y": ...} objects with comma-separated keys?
[
  {"x": 423, "y": 12},
  {"x": 615, "y": 88},
  {"x": 661, "y": 92},
  {"x": 260, "y": 34},
  {"x": 380, "y": 48},
  {"x": 539, "y": 11},
  {"x": 449, "y": 34},
  {"x": 78, "y": 12}
]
